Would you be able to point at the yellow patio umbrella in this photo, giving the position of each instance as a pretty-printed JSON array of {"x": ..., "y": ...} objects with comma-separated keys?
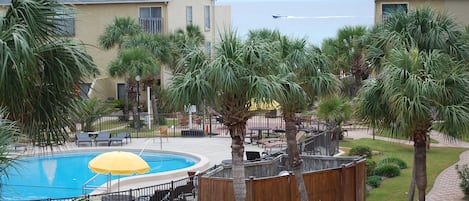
[
  {"x": 118, "y": 163},
  {"x": 264, "y": 106}
]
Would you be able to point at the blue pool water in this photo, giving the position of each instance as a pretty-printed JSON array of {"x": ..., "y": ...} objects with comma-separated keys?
[{"x": 62, "y": 175}]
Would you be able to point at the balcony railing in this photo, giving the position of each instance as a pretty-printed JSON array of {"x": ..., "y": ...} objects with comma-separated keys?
[{"x": 151, "y": 25}]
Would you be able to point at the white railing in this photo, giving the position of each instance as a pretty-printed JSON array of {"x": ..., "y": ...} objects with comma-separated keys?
[{"x": 151, "y": 25}]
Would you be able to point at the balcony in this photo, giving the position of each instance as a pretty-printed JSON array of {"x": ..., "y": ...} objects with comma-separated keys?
[{"x": 151, "y": 25}]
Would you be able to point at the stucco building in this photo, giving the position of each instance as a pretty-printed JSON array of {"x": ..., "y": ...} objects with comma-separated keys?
[
  {"x": 455, "y": 8},
  {"x": 90, "y": 17}
]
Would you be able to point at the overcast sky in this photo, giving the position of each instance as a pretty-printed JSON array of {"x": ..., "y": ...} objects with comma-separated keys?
[{"x": 314, "y": 19}]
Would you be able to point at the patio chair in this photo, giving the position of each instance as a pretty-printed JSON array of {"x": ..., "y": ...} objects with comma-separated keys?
[
  {"x": 83, "y": 137},
  {"x": 103, "y": 136},
  {"x": 253, "y": 156},
  {"x": 119, "y": 138},
  {"x": 180, "y": 192},
  {"x": 281, "y": 144}
]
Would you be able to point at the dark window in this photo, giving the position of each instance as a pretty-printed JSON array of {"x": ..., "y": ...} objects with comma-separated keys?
[
  {"x": 388, "y": 9},
  {"x": 120, "y": 91},
  {"x": 66, "y": 21},
  {"x": 84, "y": 89}
]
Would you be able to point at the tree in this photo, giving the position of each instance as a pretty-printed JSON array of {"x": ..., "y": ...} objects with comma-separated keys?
[
  {"x": 160, "y": 47},
  {"x": 346, "y": 53},
  {"x": 8, "y": 132},
  {"x": 237, "y": 74},
  {"x": 88, "y": 111},
  {"x": 41, "y": 69},
  {"x": 335, "y": 110},
  {"x": 429, "y": 81},
  {"x": 181, "y": 43},
  {"x": 413, "y": 87},
  {"x": 302, "y": 77},
  {"x": 114, "y": 35},
  {"x": 130, "y": 63}
]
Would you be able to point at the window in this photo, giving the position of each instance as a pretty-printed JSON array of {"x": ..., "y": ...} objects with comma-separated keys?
[
  {"x": 66, "y": 22},
  {"x": 120, "y": 91},
  {"x": 207, "y": 18},
  {"x": 189, "y": 15},
  {"x": 388, "y": 9},
  {"x": 150, "y": 19},
  {"x": 84, "y": 89},
  {"x": 208, "y": 48}
]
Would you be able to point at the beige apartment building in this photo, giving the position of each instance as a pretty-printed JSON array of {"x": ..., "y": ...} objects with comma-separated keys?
[
  {"x": 90, "y": 18},
  {"x": 455, "y": 8}
]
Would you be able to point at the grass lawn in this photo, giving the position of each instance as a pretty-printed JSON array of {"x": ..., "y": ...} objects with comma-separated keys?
[{"x": 396, "y": 188}]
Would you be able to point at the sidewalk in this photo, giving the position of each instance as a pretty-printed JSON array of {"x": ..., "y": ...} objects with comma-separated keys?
[{"x": 446, "y": 186}]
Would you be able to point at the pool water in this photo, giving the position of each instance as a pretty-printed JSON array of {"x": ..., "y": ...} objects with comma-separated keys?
[{"x": 63, "y": 175}]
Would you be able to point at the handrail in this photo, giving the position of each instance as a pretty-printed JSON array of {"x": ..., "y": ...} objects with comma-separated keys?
[{"x": 86, "y": 187}]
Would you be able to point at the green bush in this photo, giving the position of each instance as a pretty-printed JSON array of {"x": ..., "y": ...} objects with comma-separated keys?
[
  {"x": 463, "y": 173},
  {"x": 374, "y": 181},
  {"x": 360, "y": 151},
  {"x": 370, "y": 167},
  {"x": 388, "y": 170},
  {"x": 393, "y": 160}
]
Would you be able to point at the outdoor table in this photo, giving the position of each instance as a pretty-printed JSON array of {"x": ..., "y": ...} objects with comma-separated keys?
[{"x": 259, "y": 131}]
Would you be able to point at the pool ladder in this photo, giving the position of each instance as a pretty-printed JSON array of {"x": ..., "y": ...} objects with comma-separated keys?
[{"x": 86, "y": 186}]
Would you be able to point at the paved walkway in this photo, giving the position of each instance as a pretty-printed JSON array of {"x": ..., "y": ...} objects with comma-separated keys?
[{"x": 446, "y": 186}]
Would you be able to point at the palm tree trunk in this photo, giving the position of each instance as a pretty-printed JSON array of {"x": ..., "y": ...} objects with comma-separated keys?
[
  {"x": 133, "y": 97},
  {"x": 420, "y": 157},
  {"x": 154, "y": 105},
  {"x": 294, "y": 158},
  {"x": 126, "y": 100},
  {"x": 237, "y": 152},
  {"x": 411, "y": 194}
]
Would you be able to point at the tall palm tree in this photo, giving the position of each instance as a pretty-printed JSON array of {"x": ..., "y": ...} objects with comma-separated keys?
[
  {"x": 41, "y": 69},
  {"x": 130, "y": 63},
  {"x": 160, "y": 47},
  {"x": 413, "y": 87},
  {"x": 235, "y": 76},
  {"x": 302, "y": 77},
  {"x": 115, "y": 34},
  {"x": 425, "y": 33}
]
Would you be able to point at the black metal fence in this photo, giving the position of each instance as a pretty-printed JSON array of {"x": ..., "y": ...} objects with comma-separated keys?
[
  {"x": 179, "y": 189},
  {"x": 181, "y": 124}
]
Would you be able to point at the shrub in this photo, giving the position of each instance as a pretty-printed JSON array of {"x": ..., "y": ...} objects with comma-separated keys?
[
  {"x": 463, "y": 173},
  {"x": 360, "y": 151},
  {"x": 393, "y": 160},
  {"x": 374, "y": 181},
  {"x": 388, "y": 170},
  {"x": 370, "y": 167}
]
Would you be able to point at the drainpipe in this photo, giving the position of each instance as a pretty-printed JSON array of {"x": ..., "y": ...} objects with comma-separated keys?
[{"x": 213, "y": 30}]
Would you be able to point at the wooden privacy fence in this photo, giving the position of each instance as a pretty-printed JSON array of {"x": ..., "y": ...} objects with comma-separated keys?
[{"x": 344, "y": 183}]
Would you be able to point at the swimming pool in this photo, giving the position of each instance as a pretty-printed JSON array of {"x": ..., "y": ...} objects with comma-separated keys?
[{"x": 62, "y": 175}]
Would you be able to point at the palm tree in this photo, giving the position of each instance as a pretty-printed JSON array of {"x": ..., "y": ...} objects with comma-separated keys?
[
  {"x": 181, "y": 43},
  {"x": 88, "y": 111},
  {"x": 115, "y": 34},
  {"x": 41, "y": 69},
  {"x": 8, "y": 133},
  {"x": 302, "y": 77},
  {"x": 130, "y": 63},
  {"x": 412, "y": 87},
  {"x": 427, "y": 35},
  {"x": 346, "y": 52},
  {"x": 159, "y": 46},
  {"x": 235, "y": 76},
  {"x": 335, "y": 110}
]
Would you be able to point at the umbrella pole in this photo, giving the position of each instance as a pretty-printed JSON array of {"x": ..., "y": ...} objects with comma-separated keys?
[
  {"x": 118, "y": 183},
  {"x": 108, "y": 182}
]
